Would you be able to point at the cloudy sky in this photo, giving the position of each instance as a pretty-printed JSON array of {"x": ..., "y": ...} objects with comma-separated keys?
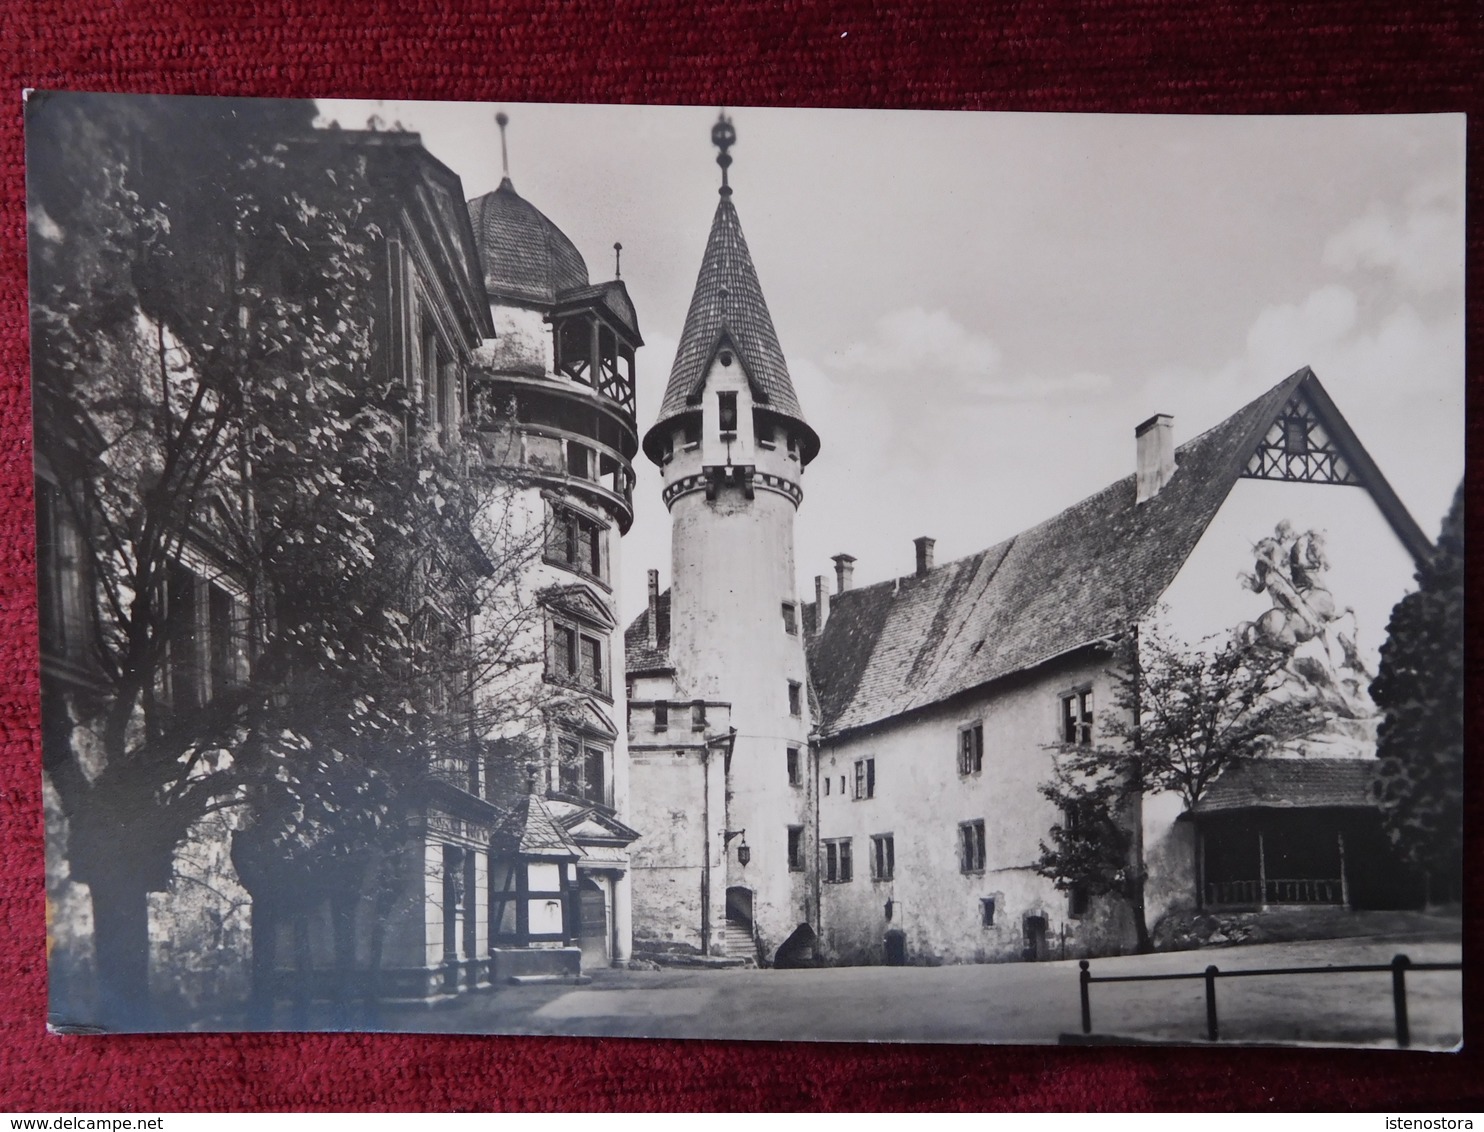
[{"x": 977, "y": 309}]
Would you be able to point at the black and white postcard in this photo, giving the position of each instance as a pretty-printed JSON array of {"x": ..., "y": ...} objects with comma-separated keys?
[{"x": 749, "y": 573}]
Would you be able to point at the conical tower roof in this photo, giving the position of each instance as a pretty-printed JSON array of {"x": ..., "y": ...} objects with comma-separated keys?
[{"x": 728, "y": 307}]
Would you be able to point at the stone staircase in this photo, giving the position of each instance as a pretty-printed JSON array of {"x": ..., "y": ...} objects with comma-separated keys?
[{"x": 737, "y": 942}]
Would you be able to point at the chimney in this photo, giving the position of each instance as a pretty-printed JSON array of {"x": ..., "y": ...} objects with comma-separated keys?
[
  {"x": 924, "y": 554},
  {"x": 1155, "y": 460},
  {"x": 844, "y": 572},
  {"x": 821, "y": 602},
  {"x": 652, "y": 638}
]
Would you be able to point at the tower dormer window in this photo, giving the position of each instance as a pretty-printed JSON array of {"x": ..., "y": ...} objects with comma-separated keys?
[
  {"x": 793, "y": 447},
  {"x": 726, "y": 405}
]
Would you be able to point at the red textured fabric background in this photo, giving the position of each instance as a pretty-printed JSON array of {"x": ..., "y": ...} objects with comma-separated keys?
[{"x": 1341, "y": 56}]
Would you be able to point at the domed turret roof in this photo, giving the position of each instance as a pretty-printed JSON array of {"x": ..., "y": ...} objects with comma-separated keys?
[{"x": 525, "y": 256}]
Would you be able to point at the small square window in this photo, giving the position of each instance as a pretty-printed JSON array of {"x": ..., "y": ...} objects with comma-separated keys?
[{"x": 986, "y": 911}]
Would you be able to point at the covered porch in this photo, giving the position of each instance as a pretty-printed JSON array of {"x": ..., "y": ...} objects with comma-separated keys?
[{"x": 1287, "y": 832}]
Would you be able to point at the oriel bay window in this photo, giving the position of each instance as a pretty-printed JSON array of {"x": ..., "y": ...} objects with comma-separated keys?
[
  {"x": 577, "y": 542},
  {"x": 577, "y": 656},
  {"x": 582, "y": 768}
]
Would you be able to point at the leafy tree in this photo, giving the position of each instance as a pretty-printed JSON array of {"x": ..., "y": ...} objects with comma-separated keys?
[
  {"x": 207, "y": 376},
  {"x": 1182, "y": 716},
  {"x": 1419, "y": 783}
]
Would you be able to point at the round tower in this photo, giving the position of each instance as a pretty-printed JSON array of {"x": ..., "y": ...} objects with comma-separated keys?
[
  {"x": 732, "y": 444},
  {"x": 552, "y": 405}
]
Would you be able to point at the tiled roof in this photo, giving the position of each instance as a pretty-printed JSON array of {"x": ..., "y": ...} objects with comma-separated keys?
[
  {"x": 1292, "y": 784},
  {"x": 1071, "y": 581},
  {"x": 612, "y": 294},
  {"x": 530, "y": 830},
  {"x": 728, "y": 300},
  {"x": 525, "y": 255},
  {"x": 638, "y": 656}
]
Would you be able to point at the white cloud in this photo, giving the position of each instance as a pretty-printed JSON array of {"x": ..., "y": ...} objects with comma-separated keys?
[
  {"x": 1292, "y": 333},
  {"x": 1422, "y": 244},
  {"x": 933, "y": 349}
]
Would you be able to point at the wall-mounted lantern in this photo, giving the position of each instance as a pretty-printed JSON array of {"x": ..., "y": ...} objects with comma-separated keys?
[{"x": 744, "y": 852}]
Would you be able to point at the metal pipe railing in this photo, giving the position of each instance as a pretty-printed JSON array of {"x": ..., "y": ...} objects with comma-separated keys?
[{"x": 1399, "y": 966}]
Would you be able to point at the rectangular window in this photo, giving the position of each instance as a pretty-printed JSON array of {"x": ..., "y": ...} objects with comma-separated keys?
[
  {"x": 795, "y": 698},
  {"x": 577, "y": 659},
  {"x": 577, "y": 543},
  {"x": 883, "y": 857},
  {"x": 569, "y": 767},
  {"x": 187, "y": 667},
  {"x": 971, "y": 846},
  {"x": 563, "y": 653},
  {"x": 1076, "y": 718},
  {"x": 222, "y": 630},
  {"x": 795, "y": 768},
  {"x": 795, "y": 848},
  {"x": 582, "y": 769},
  {"x": 865, "y": 778},
  {"x": 971, "y": 749},
  {"x": 790, "y": 619},
  {"x": 837, "y": 860},
  {"x": 764, "y": 433},
  {"x": 661, "y": 715},
  {"x": 986, "y": 911},
  {"x": 592, "y": 663},
  {"x": 793, "y": 446},
  {"x": 1077, "y": 900},
  {"x": 692, "y": 434},
  {"x": 826, "y": 786},
  {"x": 594, "y": 774},
  {"x": 726, "y": 406},
  {"x": 698, "y": 715}
]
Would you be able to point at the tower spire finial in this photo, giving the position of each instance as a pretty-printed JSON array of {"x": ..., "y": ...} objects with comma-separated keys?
[
  {"x": 723, "y": 136},
  {"x": 502, "y": 120},
  {"x": 617, "y": 254}
]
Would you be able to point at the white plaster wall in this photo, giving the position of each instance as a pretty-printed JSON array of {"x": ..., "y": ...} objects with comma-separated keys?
[
  {"x": 921, "y": 799},
  {"x": 523, "y": 342},
  {"x": 732, "y": 568},
  {"x": 1370, "y": 569}
]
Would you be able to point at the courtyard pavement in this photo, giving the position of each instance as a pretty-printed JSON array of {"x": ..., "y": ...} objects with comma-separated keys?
[{"x": 1005, "y": 1002}]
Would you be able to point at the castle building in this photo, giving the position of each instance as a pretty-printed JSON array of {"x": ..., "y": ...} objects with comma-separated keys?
[
  {"x": 518, "y": 860},
  {"x": 880, "y": 750}
]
